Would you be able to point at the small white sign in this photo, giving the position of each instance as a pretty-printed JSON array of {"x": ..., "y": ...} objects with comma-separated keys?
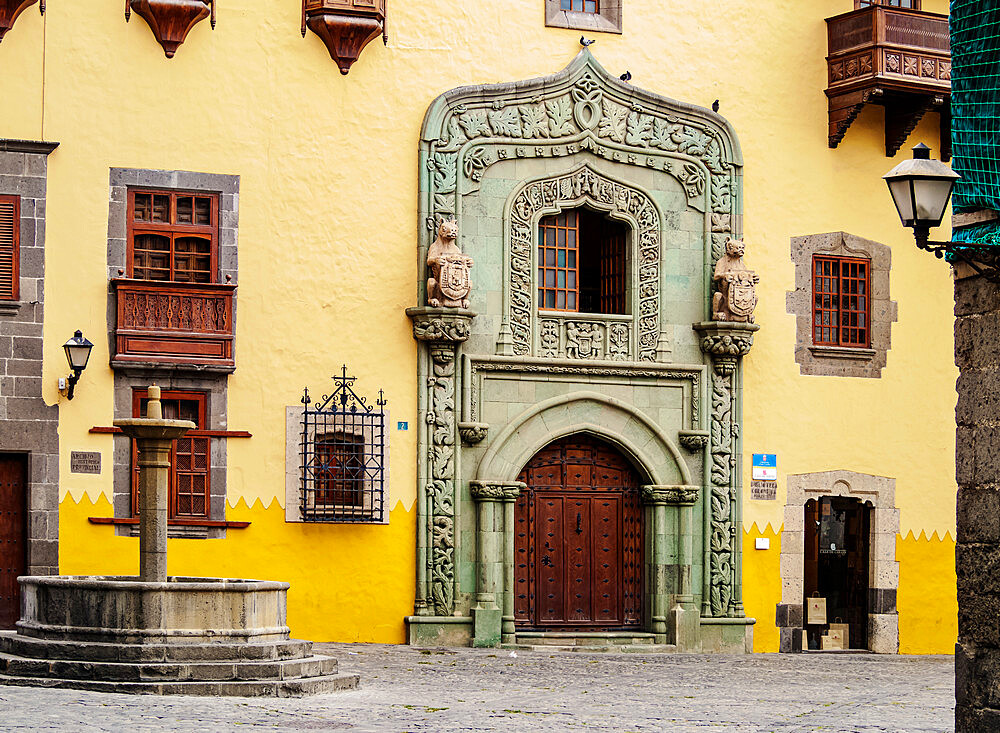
[
  {"x": 762, "y": 543},
  {"x": 765, "y": 467}
]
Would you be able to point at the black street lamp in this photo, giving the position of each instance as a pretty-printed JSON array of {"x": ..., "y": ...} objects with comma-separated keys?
[
  {"x": 920, "y": 189},
  {"x": 77, "y": 354}
]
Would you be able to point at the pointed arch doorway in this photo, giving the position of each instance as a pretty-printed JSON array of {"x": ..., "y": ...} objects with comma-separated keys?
[{"x": 578, "y": 539}]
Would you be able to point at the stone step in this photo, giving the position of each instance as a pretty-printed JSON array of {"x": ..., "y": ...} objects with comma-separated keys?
[
  {"x": 584, "y": 639},
  {"x": 285, "y": 669},
  {"x": 230, "y": 688},
  {"x": 33, "y": 647},
  {"x": 593, "y": 648}
]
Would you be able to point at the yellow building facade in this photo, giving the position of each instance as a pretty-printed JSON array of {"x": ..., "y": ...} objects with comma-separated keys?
[{"x": 315, "y": 179}]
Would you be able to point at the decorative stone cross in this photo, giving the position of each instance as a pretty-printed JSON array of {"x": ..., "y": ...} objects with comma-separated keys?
[{"x": 153, "y": 437}]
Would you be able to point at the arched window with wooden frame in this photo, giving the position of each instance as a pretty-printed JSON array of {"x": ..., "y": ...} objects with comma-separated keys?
[
  {"x": 583, "y": 263},
  {"x": 173, "y": 235}
]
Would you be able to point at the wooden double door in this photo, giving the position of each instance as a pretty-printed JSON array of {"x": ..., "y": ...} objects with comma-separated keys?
[
  {"x": 13, "y": 535},
  {"x": 578, "y": 539}
]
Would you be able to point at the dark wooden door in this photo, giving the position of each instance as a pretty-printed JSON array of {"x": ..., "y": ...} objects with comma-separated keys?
[
  {"x": 13, "y": 536},
  {"x": 578, "y": 539}
]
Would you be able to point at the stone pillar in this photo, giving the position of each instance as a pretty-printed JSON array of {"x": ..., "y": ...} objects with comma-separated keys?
[
  {"x": 494, "y": 560},
  {"x": 153, "y": 436},
  {"x": 977, "y": 454},
  {"x": 440, "y": 332},
  {"x": 725, "y": 343},
  {"x": 683, "y": 619}
]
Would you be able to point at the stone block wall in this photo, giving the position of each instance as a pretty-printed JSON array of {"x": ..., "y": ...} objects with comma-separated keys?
[
  {"x": 977, "y": 471},
  {"x": 27, "y": 425}
]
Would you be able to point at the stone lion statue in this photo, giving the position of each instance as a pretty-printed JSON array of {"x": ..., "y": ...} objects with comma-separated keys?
[{"x": 736, "y": 294}]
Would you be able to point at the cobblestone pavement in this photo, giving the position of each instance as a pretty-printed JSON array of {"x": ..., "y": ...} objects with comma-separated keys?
[{"x": 407, "y": 689}]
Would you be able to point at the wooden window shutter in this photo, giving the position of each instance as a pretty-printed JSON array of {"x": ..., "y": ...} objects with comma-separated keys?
[{"x": 10, "y": 225}]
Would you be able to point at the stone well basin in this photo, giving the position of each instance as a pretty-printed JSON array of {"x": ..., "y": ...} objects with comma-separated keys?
[{"x": 122, "y": 609}]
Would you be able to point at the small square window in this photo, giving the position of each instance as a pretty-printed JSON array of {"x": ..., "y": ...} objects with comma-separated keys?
[{"x": 585, "y": 15}]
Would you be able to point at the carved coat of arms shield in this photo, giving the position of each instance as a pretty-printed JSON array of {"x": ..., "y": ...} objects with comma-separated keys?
[
  {"x": 455, "y": 281},
  {"x": 742, "y": 295}
]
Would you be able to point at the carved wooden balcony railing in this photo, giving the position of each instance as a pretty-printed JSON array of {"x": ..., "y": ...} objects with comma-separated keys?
[
  {"x": 171, "y": 323},
  {"x": 895, "y": 57},
  {"x": 345, "y": 26},
  {"x": 171, "y": 20},
  {"x": 10, "y": 9}
]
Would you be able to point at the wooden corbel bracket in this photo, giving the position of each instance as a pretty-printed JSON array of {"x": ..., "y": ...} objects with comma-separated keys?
[
  {"x": 171, "y": 20},
  {"x": 345, "y": 26},
  {"x": 10, "y": 9}
]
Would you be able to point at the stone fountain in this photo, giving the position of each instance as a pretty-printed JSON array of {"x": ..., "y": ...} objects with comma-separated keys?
[{"x": 155, "y": 634}]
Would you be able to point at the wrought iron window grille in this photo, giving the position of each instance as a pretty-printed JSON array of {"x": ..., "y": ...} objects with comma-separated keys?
[{"x": 343, "y": 455}]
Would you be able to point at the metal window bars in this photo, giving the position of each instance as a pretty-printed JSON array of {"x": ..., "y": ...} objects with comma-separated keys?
[{"x": 343, "y": 454}]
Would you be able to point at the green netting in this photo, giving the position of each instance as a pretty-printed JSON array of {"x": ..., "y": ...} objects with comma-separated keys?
[{"x": 975, "y": 109}]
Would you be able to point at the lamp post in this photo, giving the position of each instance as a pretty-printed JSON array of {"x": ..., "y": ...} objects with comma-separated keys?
[{"x": 77, "y": 354}]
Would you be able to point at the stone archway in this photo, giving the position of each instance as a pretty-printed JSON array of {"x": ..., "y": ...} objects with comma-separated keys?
[{"x": 880, "y": 491}]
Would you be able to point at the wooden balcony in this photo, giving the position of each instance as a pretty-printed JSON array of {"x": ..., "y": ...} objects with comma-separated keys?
[
  {"x": 173, "y": 324},
  {"x": 894, "y": 57}
]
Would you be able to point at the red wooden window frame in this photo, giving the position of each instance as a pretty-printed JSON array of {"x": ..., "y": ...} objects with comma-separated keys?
[
  {"x": 340, "y": 457},
  {"x": 581, "y": 6},
  {"x": 10, "y": 247},
  {"x": 842, "y": 303},
  {"x": 558, "y": 261},
  {"x": 190, "y": 460},
  {"x": 582, "y": 263},
  {"x": 174, "y": 230}
]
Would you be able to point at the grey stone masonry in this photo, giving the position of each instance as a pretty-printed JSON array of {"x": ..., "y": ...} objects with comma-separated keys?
[
  {"x": 27, "y": 425},
  {"x": 977, "y": 471}
]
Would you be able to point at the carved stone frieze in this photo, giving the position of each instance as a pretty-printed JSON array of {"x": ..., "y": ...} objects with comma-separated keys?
[
  {"x": 473, "y": 432},
  {"x": 171, "y": 20},
  {"x": 672, "y": 495}
]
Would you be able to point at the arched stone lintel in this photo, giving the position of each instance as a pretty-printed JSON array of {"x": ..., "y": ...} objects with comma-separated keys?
[
  {"x": 645, "y": 443},
  {"x": 484, "y": 94}
]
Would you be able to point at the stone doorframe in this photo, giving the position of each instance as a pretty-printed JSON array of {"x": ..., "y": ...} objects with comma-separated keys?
[
  {"x": 883, "y": 570},
  {"x": 669, "y": 513}
]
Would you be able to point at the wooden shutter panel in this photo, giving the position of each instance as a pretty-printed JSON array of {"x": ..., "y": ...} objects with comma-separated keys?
[{"x": 10, "y": 221}]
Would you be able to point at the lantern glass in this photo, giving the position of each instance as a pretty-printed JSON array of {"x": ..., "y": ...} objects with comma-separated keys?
[
  {"x": 930, "y": 197},
  {"x": 902, "y": 196},
  {"x": 78, "y": 351}
]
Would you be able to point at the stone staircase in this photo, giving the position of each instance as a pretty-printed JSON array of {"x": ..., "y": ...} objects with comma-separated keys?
[
  {"x": 280, "y": 668},
  {"x": 590, "y": 641}
]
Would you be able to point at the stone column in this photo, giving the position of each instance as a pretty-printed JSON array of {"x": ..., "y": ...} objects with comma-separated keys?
[
  {"x": 684, "y": 618},
  {"x": 440, "y": 332},
  {"x": 725, "y": 342},
  {"x": 511, "y": 492},
  {"x": 153, "y": 436},
  {"x": 494, "y": 559}
]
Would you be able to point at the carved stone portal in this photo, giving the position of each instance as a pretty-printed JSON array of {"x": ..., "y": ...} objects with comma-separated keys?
[
  {"x": 736, "y": 297},
  {"x": 171, "y": 20},
  {"x": 450, "y": 282}
]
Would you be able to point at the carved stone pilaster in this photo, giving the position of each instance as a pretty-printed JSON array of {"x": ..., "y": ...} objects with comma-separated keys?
[
  {"x": 725, "y": 343},
  {"x": 441, "y": 332}
]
